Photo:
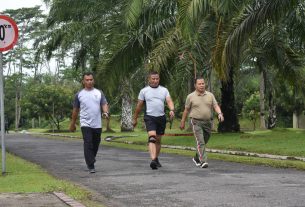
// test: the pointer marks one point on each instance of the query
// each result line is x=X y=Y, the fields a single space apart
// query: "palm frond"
x=253 y=17
x=165 y=49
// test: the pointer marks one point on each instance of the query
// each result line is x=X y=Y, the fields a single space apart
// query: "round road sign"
x=8 y=33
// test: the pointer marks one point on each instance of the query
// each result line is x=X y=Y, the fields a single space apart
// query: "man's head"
x=88 y=80
x=153 y=79
x=200 y=85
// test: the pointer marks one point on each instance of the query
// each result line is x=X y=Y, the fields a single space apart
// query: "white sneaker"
x=204 y=165
x=197 y=162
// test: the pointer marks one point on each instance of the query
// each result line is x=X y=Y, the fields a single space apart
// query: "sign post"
x=8 y=38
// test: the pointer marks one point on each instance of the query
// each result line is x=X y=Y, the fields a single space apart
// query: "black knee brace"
x=152 y=139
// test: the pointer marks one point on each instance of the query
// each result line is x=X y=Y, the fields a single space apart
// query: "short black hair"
x=198 y=78
x=153 y=72
x=87 y=73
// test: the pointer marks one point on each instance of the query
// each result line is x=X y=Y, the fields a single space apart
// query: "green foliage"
x=53 y=102
x=251 y=108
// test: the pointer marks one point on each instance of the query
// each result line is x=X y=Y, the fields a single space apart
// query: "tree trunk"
x=126 y=119
x=262 y=100
x=296 y=120
x=17 y=109
x=230 y=123
x=126 y=116
x=272 y=113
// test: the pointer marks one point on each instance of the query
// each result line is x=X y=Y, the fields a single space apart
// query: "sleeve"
x=141 y=95
x=167 y=93
x=188 y=103
x=76 y=103
x=214 y=102
x=103 y=98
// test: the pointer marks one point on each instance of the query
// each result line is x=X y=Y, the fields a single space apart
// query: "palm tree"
x=236 y=21
x=132 y=41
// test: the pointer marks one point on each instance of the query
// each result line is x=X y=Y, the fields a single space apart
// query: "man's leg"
x=206 y=127
x=152 y=144
x=200 y=144
x=151 y=127
x=158 y=145
x=96 y=140
x=161 y=125
x=88 y=147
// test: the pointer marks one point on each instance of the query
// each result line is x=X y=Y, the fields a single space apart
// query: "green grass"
x=230 y=158
x=279 y=141
x=25 y=177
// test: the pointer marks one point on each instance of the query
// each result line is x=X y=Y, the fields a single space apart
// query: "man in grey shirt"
x=154 y=97
x=90 y=102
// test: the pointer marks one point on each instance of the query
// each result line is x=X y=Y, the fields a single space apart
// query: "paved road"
x=124 y=177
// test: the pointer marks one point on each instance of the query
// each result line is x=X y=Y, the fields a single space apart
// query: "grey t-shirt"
x=89 y=102
x=154 y=98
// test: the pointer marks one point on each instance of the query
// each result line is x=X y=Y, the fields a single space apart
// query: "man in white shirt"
x=154 y=97
x=90 y=102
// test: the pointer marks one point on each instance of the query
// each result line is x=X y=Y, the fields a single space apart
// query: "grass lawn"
x=25 y=177
x=289 y=142
x=279 y=141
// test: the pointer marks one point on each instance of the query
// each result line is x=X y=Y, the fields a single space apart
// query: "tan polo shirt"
x=200 y=105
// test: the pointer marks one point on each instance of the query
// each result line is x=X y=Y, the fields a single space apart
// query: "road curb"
x=67 y=200
x=229 y=152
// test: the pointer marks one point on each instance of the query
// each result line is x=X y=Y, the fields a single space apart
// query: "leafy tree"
x=29 y=21
x=50 y=101
x=251 y=108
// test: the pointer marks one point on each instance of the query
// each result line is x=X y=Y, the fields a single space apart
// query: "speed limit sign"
x=8 y=33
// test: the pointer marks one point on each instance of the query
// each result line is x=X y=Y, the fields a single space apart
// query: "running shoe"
x=196 y=161
x=154 y=165
x=92 y=170
x=204 y=165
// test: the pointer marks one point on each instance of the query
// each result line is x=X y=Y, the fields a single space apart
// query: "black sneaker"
x=92 y=170
x=158 y=163
x=154 y=165
x=196 y=161
x=204 y=165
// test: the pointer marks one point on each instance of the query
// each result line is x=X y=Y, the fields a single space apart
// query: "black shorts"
x=157 y=124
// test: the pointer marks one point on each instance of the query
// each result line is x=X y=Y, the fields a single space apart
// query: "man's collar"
x=200 y=94
x=154 y=87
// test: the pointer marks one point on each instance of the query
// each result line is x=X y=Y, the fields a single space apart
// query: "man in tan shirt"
x=199 y=105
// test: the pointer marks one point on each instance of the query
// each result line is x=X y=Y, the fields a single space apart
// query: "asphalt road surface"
x=124 y=178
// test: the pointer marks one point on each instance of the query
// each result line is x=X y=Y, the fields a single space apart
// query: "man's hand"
x=171 y=114
x=106 y=115
x=182 y=125
x=220 y=117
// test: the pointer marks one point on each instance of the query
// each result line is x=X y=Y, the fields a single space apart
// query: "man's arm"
x=137 y=112
x=171 y=106
x=105 y=109
x=73 y=119
x=219 y=113
x=184 y=116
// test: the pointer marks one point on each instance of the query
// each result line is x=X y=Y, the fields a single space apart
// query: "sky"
x=16 y=4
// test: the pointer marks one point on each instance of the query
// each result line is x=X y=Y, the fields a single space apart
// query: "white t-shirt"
x=154 y=98
x=89 y=102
